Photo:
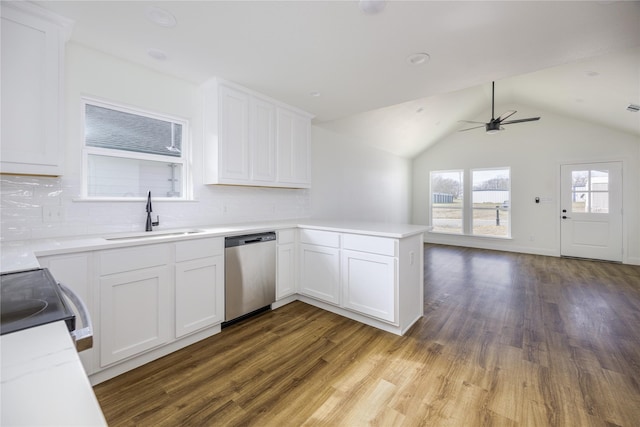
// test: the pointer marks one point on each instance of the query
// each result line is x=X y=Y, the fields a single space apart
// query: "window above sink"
x=128 y=152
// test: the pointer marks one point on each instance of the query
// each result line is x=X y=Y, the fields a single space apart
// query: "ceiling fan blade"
x=475 y=127
x=530 y=119
x=506 y=115
x=469 y=121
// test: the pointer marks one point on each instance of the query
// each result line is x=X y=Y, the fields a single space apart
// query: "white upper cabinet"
x=263 y=141
x=33 y=41
x=250 y=139
x=293 y=149
x=233 y=161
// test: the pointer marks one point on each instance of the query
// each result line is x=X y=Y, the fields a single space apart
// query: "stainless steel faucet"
x=150 y=223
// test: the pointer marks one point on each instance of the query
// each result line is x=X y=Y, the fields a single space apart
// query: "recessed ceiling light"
x=157 y=54
x=160 y=16
x=315 y=94
x=418 y=58
x=372 y=7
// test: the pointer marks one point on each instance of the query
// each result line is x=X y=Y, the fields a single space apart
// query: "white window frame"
x=467 y=204
x=184 y=160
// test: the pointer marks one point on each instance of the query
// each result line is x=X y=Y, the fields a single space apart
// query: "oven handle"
x=82 y=337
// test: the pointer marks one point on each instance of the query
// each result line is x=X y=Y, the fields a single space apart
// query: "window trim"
x=184 y=160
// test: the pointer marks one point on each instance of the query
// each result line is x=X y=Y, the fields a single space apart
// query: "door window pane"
x=447 y=201
x=590 y=191
x=491 y=202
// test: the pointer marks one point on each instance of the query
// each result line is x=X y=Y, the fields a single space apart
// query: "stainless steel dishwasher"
x=250 y=275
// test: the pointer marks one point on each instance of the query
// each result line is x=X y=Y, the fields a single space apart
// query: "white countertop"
x=22 y=255
x=42 y=381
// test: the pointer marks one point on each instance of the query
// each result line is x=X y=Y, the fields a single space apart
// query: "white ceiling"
x=579 y=58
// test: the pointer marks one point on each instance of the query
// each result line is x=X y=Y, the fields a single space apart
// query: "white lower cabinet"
x=135 y=300
x=369 y=283
x=199 y=285
x=286 y=264
x=320 y=272
x=373 y=279
x=152 y=295
x=134 y=312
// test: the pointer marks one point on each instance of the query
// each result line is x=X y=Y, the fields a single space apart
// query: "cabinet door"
x=234 y=135
x=285 y=272
x=73 y=270
x=293 y=148
x=199 y=294
x=263 y=141
x=370 y=284
x=32 y=59
x=134 y=312
x=320 y=273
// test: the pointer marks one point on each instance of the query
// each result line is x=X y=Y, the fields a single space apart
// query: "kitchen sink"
x=154 y=235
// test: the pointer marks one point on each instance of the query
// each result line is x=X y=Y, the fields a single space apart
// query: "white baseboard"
x=488 y=243
x=632 y=261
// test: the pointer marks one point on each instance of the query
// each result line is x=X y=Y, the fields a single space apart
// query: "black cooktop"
x=31 y=298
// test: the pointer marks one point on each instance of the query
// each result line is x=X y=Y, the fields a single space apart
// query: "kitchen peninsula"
x=369 y=272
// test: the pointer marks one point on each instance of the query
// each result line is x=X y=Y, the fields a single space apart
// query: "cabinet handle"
x=83 y=338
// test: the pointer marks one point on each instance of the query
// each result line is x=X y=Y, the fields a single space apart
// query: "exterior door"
x=591 y=211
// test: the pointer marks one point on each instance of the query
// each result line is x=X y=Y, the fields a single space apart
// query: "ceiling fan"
x=495 y=125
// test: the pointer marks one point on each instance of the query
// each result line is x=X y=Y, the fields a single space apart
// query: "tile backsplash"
x=44 y=207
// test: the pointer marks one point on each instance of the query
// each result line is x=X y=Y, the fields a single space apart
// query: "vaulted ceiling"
x=578 y=58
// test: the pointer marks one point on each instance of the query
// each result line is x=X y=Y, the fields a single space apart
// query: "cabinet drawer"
x=320 y=238
x=200 y=248
x=286 y=236
x=128 y=259
x=370 y=244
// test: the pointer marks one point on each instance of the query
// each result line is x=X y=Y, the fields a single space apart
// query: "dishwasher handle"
x=249 y=239
x=259 y=239
x=83 y=338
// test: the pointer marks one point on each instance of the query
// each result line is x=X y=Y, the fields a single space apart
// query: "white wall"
x=92 y=73
x=353 y=182
x=534 y=151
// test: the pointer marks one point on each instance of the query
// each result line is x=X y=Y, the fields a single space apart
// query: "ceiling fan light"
x=493 y=127
x=372 y=7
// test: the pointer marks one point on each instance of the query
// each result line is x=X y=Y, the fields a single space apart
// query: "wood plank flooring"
x=506 y=340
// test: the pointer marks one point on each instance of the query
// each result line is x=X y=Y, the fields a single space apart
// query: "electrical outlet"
x=52 y=214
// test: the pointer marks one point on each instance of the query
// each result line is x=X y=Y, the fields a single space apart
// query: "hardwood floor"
x=507 y=339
